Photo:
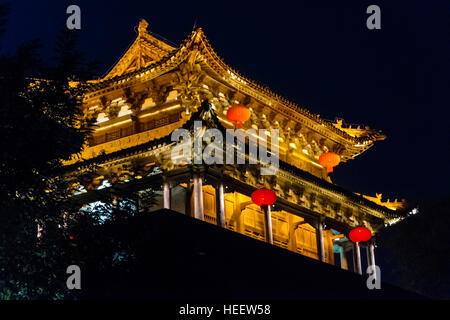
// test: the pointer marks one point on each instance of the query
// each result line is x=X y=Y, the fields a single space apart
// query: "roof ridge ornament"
x=206 y=114
x=198 y=33
x=142 y=28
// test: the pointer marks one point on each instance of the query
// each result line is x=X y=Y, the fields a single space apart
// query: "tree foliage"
x=41 y=221
x=41 y=124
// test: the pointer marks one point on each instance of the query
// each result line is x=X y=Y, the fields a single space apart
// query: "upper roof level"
x=154 y=78
x=145 y=50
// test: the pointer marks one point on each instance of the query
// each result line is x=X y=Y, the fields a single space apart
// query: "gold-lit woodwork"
x=209 y=204
x=153 y=77
x=156 y=88
x=250 y=221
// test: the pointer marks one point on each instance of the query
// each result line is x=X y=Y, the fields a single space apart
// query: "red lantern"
x=360 y=234
x=71 y=237
x=238 y=114
x=263 y=197
x=329 y=160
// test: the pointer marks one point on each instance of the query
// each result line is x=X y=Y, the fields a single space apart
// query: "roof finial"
x=142 y=28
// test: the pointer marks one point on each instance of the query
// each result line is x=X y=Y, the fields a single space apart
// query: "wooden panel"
x=328 y=244
x=229 y=209
x=129 y=130
x=209 y=204
x=253 y=221
x=306 y=241
x=280 y=228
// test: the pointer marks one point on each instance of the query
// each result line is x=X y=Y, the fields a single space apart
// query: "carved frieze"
x=135 y=100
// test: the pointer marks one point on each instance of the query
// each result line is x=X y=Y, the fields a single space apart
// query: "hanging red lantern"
x=360 y=234
x=263 y=197
x=238 y=114
x=329 y=160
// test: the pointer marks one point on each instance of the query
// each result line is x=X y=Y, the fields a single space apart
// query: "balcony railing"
x=130 y=130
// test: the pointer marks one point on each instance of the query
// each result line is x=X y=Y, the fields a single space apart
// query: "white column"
x=370 y=250
x=166 y=195
x=320 y=244
x=198 y=197
x=39 y=231
x=268 y=220
x=356 y=258
x=187 y=199
x=372 y=253
x=344 y=264
x=220 y=205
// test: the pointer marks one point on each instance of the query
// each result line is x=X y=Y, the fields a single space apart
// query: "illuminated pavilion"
x=156 y=88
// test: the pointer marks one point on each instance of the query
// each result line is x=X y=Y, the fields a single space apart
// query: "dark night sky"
x=318 y=54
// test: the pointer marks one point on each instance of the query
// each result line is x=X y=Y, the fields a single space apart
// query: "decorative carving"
x=254 y=118
x=247 y=101
x=309 y=150
x=92 y=114
x=336 y=207
x=158 y=93
x=135 y=100
x=269 y=181
x=142 y=28
x=231 y=95
x=110 y=109
x=189 y=75
x=300 y=140
x=182 y=72
x=279 y=190
x=164 y=161
x=315 y=148
x=264 y=122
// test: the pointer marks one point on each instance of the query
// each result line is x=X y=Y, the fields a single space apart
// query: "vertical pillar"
x=292 y=243
x=220 y=205
x=268 y=220
x=39 y=231
x=198 y=197
x=370 y=250
x=372 y=253
x=136 y=123
x=115 y=206
x=237 y=213
x=344 y=263
x=188 y=197
x=320 y=244
x=65 y=220
x=356 y=258
x=166 y=194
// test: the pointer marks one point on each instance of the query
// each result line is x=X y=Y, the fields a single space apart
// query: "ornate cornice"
x=198 y=42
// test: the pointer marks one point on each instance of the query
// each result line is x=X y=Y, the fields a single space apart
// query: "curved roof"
x=150 y=145
x=137 y=61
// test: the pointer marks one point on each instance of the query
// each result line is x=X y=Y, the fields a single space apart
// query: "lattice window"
x=306 y=241
x=127 y=131
x=161 y=122
x=209 y=204
x=148 y=125
x=113 y=135
x=254 y=225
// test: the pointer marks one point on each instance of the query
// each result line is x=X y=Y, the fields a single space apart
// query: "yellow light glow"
x=113 y=125
x=159 y=111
